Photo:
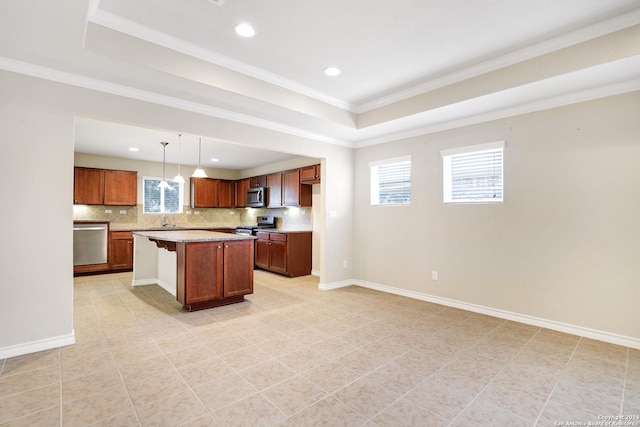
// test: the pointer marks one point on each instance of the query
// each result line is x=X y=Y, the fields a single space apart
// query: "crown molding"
x=599 y=29
x=46 y=73
x=150 y=35
x=530 y=107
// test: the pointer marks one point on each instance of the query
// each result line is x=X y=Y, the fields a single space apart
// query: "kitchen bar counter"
x=191 y=236
x=202 y=269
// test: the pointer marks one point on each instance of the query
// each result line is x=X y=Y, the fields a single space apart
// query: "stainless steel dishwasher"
x=90 y=242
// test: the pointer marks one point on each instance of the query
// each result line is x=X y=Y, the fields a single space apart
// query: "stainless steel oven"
x=90 y=243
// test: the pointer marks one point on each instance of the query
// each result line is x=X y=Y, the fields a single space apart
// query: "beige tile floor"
x=291 y=355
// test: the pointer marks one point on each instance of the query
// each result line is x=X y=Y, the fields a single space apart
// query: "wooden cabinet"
x=204 y=193
x=237 y=278
x=274 y=183
x=120 y=250
x=258 y=181
x=214 y=273
x=293 y=192
x=88 y=186
x=104 y=187
x=284 y=253
x=310 y=174
x=120 y=188
x=241 y=192
x=226 y=194
x=212 y=193
x=285 y=189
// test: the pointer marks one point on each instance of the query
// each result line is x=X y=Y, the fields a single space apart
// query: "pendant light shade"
x=199 y=172
x=164 y=183
x=179 y=178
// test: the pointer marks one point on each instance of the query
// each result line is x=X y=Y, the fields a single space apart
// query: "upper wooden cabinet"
x=104 y=187
x=88 y=186
x=293 y=192
x=204 y=192
x=241 y=192
x=310 y=174
x=212 y=193
x=258 y=181
x=226 y=194
x=285 y=189
x=274 y=183
x=120 y=188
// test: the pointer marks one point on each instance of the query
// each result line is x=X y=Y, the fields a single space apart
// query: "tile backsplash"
x=131 y=217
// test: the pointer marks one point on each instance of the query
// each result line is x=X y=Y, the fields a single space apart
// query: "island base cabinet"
x=238 y=279
x=211 y=274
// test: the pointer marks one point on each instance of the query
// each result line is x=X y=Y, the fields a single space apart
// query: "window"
x=473 y=174
x=162 y=200
x=391 y=181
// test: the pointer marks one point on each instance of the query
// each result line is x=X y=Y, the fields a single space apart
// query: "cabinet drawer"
x=279 y=237
x=262 y=235
x=121 y=235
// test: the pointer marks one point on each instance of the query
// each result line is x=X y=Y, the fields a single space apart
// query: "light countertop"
x=191 y=236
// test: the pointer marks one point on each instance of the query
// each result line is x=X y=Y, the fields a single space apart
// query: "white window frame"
x=162 y=208
x=447 y=157
x=375 y=182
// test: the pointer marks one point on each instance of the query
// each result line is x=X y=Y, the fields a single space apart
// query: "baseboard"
x=35 y=346
x=503 y=314
x=144 y=282
x=315 y=273
x=163 y=285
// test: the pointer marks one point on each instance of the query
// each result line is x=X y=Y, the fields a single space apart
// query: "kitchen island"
x=202 y=269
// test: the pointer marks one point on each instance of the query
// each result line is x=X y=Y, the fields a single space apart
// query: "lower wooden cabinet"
x=284 y=253
x=214 y=273
x=120 y=250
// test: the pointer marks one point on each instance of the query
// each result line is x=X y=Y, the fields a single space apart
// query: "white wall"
x=36 y=263
x=565 y=244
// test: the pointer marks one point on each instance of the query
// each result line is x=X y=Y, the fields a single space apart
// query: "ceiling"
x=408 y=68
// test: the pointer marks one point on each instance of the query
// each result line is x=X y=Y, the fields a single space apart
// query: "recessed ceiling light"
x=332 y=71
x=134 y=149
x=244 y=29
x=215 y=160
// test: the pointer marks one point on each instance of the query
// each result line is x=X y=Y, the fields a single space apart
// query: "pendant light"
x=164 y=183
x=179 y=178
x=199 y=172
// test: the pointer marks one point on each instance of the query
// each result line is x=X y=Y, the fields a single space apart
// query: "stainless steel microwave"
x=257 y=197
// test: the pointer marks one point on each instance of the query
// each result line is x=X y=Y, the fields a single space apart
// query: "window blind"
x=474 y=176
x=391 y=182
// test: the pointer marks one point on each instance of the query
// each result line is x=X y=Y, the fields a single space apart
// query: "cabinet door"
x=120 y=250
x=274 y=183
x=203 y=271
x=262 y=254
x=291 y=188
x=226 y=194
x=278 y=257
x=120 y=188
x=310 y=174
x=241 y=192
x=204 y=193
x=238 y=268
x=88 y=186
x=258 y=181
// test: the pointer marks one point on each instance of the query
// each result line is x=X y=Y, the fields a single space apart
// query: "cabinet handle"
x=226 y=246
x=219 y=247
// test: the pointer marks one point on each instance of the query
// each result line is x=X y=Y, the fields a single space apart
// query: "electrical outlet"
x=196 y=212
x=434 y=275
x=345 y=264
x=123 y=212
x=108 y=211
x=232 y=213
